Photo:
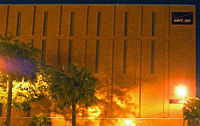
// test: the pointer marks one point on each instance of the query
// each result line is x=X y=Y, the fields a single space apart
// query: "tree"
x=191 y=111
x=23 y=93
x=76 y=88
x=19 y=61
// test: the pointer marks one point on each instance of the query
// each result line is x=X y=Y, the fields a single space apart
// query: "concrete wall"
x=148 y=79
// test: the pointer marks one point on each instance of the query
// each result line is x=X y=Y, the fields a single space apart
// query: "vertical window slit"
x=125 y=56
x=141 y=21
x=18 y=24
x=153 y=24
x=43 y=51
x=169 y=21
x=72 y=24
x=152 y=56
x=87 y=20
x=8 y=9
x=70 y=53
x=97 y=56
x=98 y=23
x=58 y=54
x=114 y=20
x=60 y=20
x=126 y=24
x=45 y=23
x=33 y=30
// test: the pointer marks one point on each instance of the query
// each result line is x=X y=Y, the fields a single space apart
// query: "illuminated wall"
x=130 y=48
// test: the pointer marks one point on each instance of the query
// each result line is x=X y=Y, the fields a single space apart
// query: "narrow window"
x=69 y=55
x=58 y=54
x=43 y=51
x=8 y=9
x=126 y=24
x=114 y=20
x=60 y=20
x=33 y=30
x=153 y=24
x=125 y=56
x=88 y=9
x=152 y=56
x=18 y=24
x=141 y=21
x=97 y=56
x=45 y=23
x=98 y=23
x=72 y=24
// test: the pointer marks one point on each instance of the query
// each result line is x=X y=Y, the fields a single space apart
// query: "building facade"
x=139 y=53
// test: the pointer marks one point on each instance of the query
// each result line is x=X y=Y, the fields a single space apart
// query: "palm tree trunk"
x=9 y=103
x=73 y=114
x=28 y=113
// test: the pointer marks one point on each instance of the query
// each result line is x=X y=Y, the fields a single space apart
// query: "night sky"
x=98 y=1
x=187 y=2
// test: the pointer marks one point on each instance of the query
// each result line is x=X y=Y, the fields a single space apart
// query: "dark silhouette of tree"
x=74 y=88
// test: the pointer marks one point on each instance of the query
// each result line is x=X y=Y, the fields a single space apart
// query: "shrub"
x=40 y=120
x=191 y=111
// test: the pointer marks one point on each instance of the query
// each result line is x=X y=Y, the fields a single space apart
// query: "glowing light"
x=128 y=122
x=181 y=91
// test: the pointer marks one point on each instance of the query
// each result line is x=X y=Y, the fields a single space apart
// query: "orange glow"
x=94 y=111
x=100 y=96
x=80 y=114
x=123 y=107
x=119 y=102
x=2 y=65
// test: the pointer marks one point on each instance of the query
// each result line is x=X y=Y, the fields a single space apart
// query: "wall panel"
x=51 y=52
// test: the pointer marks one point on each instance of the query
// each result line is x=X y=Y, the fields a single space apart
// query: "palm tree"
x=77 y=87
x=18 y=61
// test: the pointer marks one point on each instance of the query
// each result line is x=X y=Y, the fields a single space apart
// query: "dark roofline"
x=185 y=2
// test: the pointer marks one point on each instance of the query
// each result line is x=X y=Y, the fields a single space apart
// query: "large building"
x=139 y=53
